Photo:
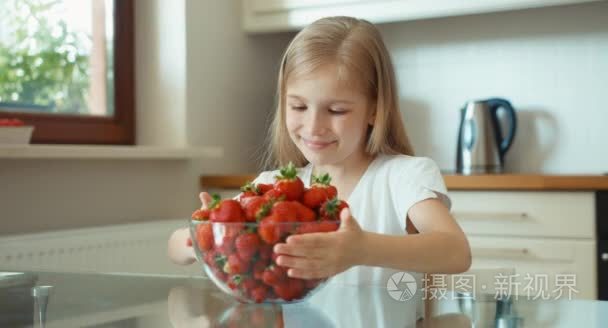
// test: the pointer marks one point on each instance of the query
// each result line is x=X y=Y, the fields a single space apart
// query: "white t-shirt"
x=380 y=201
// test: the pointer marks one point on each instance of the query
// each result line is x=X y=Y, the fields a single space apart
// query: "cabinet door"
x=568 y=265
x=525 y=214
x=286 y=15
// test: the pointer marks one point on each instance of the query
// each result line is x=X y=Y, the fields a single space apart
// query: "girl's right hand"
x=180 y=249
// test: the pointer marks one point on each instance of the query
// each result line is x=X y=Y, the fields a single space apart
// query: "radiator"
x=128 y=248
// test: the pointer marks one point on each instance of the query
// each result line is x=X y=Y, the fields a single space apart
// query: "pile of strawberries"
x=237 y=239
x=11 y=122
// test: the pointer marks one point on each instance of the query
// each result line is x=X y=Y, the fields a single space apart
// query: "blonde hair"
x=356 y=47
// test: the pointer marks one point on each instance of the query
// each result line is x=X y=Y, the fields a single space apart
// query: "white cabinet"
x=548 y=238
x=285 y=15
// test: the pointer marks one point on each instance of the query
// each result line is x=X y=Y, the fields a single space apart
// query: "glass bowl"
x=239 y=259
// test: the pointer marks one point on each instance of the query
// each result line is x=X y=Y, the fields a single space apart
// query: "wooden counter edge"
x=462 y=182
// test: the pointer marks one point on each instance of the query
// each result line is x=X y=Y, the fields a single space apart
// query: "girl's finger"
x=305 y=274
x=205 y=199
x=310 y=240
x=294 y=250
x=294 y=262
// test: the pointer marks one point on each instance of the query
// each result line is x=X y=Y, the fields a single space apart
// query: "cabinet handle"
x=513 y=254
x=491 y=216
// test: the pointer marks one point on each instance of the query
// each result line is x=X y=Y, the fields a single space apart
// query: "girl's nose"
x=315 y=122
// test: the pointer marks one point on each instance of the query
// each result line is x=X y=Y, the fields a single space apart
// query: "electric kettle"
x=481 y=145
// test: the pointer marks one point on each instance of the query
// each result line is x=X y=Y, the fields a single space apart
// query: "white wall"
x=231 y=83
x=551 y=63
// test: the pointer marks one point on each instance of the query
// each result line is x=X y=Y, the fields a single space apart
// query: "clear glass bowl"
x=246 y=269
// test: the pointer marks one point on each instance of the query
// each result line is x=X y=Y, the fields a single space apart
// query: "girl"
x=338 y=113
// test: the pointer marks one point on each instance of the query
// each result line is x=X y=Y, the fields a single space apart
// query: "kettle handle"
x=495 y=104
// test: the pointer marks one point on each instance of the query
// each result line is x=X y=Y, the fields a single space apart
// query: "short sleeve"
x=265 y=177
x=418 y=182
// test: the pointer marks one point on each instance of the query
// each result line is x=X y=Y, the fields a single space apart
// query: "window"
x=66 y=67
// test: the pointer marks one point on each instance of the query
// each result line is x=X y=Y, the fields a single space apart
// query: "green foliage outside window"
x=43 y=64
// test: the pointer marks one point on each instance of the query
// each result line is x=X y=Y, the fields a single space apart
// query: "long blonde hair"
x=356 y=47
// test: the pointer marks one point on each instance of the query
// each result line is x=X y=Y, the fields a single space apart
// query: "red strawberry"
x=226 y=245
x=204 y=236
x=228 y=210
x=274 y=195
x=248 y=190
x=235 y=265
x=247 y=244
x=330 y=210
x=258 y=270
x=288 y=183
x=259 y=293
x=269 y=230
x=264 y=188
x=304 y=214
x=201 y=214
x=265 y=252
x=312 y=283
x=285 y=211
x=327 y=226
x=234 y=281
x=256 y=207
x=308 y=227
x=273 y=275
x=289 y=289
x=319 y=191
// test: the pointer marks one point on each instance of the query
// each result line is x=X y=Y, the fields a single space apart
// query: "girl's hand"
x=324 y=254
x=206 y=199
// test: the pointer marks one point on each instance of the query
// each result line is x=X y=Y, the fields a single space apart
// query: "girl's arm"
x=440 y=247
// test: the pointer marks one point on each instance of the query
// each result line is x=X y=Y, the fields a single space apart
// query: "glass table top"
x=71 y=299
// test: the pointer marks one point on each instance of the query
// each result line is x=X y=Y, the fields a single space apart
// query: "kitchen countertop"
x=464 y=182
x=130 y=300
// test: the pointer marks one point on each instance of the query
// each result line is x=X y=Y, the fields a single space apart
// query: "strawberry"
x=330 y=210
x=327 y=226
x=215 y=260
x=285 y=211
x=269 y=230
x=248 y=190
x=264 y=187
x=312 y=283
x=255 y=207
x=274 y=195
x=234 y=281
x=204 y=236
x=226 y=245
x=247 y=244
x=235 y=265
x=227 y=210
x=265 y=252
x=258 y=270
x=288 y=183
x=258 y=293
x=304 y=214
x=308 y=227
x=319 y=191
x=289 y=289
x=273 y=275
x=201 y=214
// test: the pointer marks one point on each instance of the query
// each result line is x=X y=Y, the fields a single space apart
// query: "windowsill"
x=108 y=152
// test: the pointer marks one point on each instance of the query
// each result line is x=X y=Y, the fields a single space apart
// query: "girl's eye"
x=337 y=111
x=298 y=107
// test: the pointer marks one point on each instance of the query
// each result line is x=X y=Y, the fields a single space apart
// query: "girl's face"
x=327 y=118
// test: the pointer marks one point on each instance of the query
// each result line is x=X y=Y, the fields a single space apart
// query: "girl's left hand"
x=323 y=254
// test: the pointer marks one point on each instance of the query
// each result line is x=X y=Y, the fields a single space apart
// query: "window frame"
x=78 y=129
